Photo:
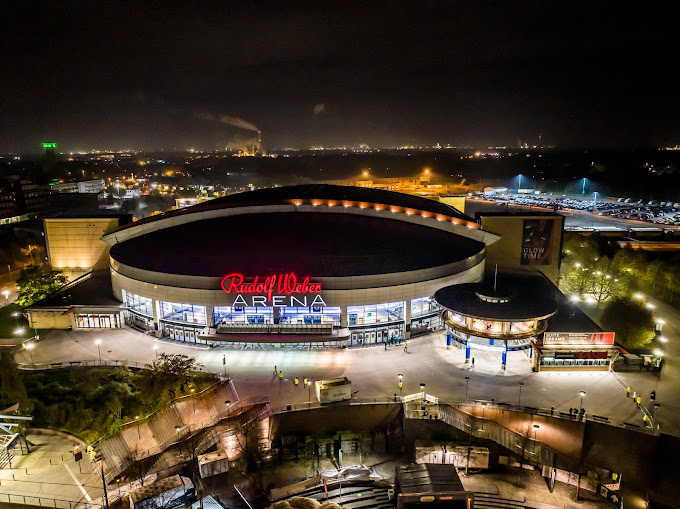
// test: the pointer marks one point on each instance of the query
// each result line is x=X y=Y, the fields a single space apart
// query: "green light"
x=49 y=145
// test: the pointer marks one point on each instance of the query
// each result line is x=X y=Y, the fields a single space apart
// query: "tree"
x=632 y=322
x=36 y=284
x=12 y=388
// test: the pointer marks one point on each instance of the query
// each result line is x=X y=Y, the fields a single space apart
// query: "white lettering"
x=260 y=300
x=240 y=301
x=300 y=303
x=318 y=301
x=278 y=302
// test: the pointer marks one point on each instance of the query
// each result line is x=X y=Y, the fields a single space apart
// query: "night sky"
x=173 y=75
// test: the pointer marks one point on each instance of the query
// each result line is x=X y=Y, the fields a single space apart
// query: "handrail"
x=122 y=426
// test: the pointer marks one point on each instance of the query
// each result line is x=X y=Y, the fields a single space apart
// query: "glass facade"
x=228 y=314
x=490 y=326
x=185 y=313
x=520 y=327
x=424 y=306
x=375 y=314
x=138 y=304
x=315 y=315
x=99 y=321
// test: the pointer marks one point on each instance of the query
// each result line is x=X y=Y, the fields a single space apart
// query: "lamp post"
x=536 y=426
x=30 y=346
x=155 y=347
x=519 y=186
x=519 y=400
x=16 y=318
x=401 y=384
x=193 y=398
x=422 y=390
x=6 y=294
x=467 y=384
x=178 y=428
x=581 y=393
x=139 y=433
x=583 y=191
x=98 y=342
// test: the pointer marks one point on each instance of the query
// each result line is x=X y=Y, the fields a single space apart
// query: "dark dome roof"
x=516 y=297
x=318 y=244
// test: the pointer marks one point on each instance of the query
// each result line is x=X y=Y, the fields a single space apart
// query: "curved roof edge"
x=354 y=200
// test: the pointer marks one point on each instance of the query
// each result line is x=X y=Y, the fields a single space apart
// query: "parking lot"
x=658 y=213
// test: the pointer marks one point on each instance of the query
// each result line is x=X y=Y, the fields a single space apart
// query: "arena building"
x=312 y=264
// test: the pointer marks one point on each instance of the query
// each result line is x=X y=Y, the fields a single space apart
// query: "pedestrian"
x=652 y=396
x=645 y=418
x=280 y=376
x=296 y=381
x=634 y=395
x=552 y=410
x=385 y=344
x=628 y=392
x=473 y=362
x=275 y=370
x=406 y=347
x=304 y=382
x=638 y=401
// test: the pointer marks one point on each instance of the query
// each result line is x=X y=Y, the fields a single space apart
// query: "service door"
x=190 y=335
x=355 y=339
x=372 y=337
x=180 y=334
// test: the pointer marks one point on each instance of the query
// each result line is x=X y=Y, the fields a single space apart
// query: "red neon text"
x=284 y=283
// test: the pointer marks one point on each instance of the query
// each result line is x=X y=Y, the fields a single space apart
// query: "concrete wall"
x=50 y=319
x=324 y=420
x=507 y=252
x=74 y=245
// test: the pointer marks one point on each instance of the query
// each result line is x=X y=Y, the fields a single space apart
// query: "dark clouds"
x=134 y=73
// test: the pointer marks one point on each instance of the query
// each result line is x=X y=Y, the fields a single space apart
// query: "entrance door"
x=355 y=339
x=190 y=335
x=180 y=334
x=372 y=340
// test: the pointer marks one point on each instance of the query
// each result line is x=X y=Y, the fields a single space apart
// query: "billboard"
x=578 y=338
x=537 y=242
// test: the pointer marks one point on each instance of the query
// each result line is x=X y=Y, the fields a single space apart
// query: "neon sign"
x=278 y=290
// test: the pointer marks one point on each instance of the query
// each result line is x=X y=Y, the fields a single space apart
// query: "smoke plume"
x=226 y=119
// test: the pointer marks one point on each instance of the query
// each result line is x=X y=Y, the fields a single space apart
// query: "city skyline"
x=150 y=78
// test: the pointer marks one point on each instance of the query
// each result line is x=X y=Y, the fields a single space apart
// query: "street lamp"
x=193 y=399
x=536 y=426
x=422 y=389
x=519 y=400
x=30 y=346
x=6 y=294
x=309 y=392
x=519 y=186
x=584 y=186
x=19 y=331
x=98 y=342
x=155 y=347
x=16 y=318
x=467 y=384
x=582 y=394
x=178 y=428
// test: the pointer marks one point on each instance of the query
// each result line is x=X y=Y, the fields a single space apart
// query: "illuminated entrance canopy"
x=277 y=290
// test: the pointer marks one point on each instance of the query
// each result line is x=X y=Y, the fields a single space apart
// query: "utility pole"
x=106 y=496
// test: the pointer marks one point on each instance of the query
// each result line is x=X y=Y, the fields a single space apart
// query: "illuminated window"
x=228 y=314
x=138 y=304
x=315 y=315
x=519 y=327
x=375 y=313
x=490 y=326
x=424 y=306
x=457 y=318
x=185 y=313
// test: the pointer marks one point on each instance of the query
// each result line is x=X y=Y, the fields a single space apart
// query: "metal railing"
x=41 y=366
x=55 y=503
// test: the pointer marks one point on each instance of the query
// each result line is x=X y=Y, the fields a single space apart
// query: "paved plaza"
x=373 y=371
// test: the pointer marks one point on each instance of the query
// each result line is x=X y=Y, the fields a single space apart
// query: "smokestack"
x=259 y=142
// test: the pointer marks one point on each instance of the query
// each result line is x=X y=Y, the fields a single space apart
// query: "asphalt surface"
x=373 y=372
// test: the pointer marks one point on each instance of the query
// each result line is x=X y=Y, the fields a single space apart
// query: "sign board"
x=276 y=290
x=580 y=355
x=537 y=242
x=578 y=338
